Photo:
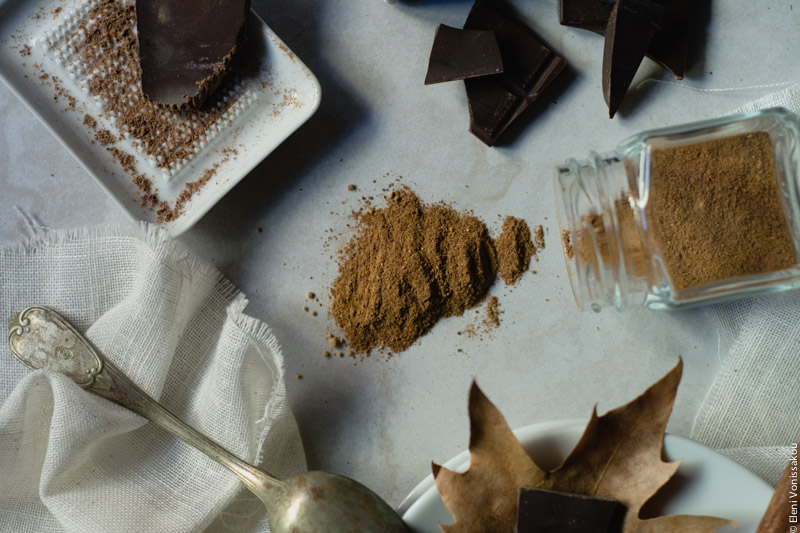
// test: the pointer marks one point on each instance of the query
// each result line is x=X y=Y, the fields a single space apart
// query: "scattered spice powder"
x=492 y=318
x=104 y=137
x=715 y=211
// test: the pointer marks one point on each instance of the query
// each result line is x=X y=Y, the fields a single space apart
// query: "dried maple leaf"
x=484 y=498
x=618 y=456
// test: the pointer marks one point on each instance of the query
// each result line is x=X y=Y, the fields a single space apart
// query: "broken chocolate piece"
x=459 y=54
x=586 y=14
x=670 y=46
x=185 y=46
x=529 y=67
x=545 y=511
x=629 y=32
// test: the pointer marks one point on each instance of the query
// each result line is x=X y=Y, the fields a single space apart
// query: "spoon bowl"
x=311 y=502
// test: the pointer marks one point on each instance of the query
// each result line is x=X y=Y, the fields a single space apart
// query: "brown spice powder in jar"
x=714 y=211
x=595 y=244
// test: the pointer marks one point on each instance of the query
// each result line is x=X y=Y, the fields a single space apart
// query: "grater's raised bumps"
x=185 y=46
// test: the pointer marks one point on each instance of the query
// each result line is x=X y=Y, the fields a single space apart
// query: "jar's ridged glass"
x=612 y=259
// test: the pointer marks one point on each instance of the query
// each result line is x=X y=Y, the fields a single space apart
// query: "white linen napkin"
x=71 y=461
x=752 y=411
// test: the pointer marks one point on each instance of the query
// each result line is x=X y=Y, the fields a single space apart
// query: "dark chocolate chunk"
x=185 y=46
x=670 y=46
x=546 y=511
x=586 y=14
x=629 y=32
x=459 y=54
x=491 y=108
x=529 y=67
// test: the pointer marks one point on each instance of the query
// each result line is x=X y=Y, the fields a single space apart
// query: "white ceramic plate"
x=707 y=483
x=271 y=103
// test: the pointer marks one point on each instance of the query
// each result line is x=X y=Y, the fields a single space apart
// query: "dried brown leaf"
x=618 y=456
x=486 y=494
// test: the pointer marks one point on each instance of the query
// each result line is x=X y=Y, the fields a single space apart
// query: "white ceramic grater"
x=43 y=62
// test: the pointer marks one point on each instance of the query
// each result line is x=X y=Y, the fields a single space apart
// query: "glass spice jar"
x=685 y=215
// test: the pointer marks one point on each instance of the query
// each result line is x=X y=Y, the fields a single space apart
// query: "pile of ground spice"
x=412 y=264
x=715 y=211
x=514 y=249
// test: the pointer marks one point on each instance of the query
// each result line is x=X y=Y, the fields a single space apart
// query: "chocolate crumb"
x=125 y=159
x=89 y=121
x=104 y=137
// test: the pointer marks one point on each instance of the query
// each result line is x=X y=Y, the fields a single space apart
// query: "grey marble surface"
x=383 y=420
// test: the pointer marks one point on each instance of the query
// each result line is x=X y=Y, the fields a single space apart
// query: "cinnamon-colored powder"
x=595 y=244
x=566 y=243
x=514 y=249
x=714 y=210
x=411 y=265
x=104 y=137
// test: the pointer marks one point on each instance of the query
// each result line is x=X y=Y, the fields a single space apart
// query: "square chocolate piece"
x=529 y=67
x=459 y=54
x=547 y=511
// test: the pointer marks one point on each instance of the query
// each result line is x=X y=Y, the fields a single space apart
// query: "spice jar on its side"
x=686 y=215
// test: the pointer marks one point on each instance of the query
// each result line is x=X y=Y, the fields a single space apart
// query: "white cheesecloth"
x=71 y=461
x=752 y=411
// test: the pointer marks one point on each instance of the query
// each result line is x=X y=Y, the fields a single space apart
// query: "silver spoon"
x=314 y=501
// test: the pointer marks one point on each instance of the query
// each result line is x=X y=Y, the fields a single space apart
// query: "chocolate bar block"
x=529 y=67
x=546 y=511
x=185 y=46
